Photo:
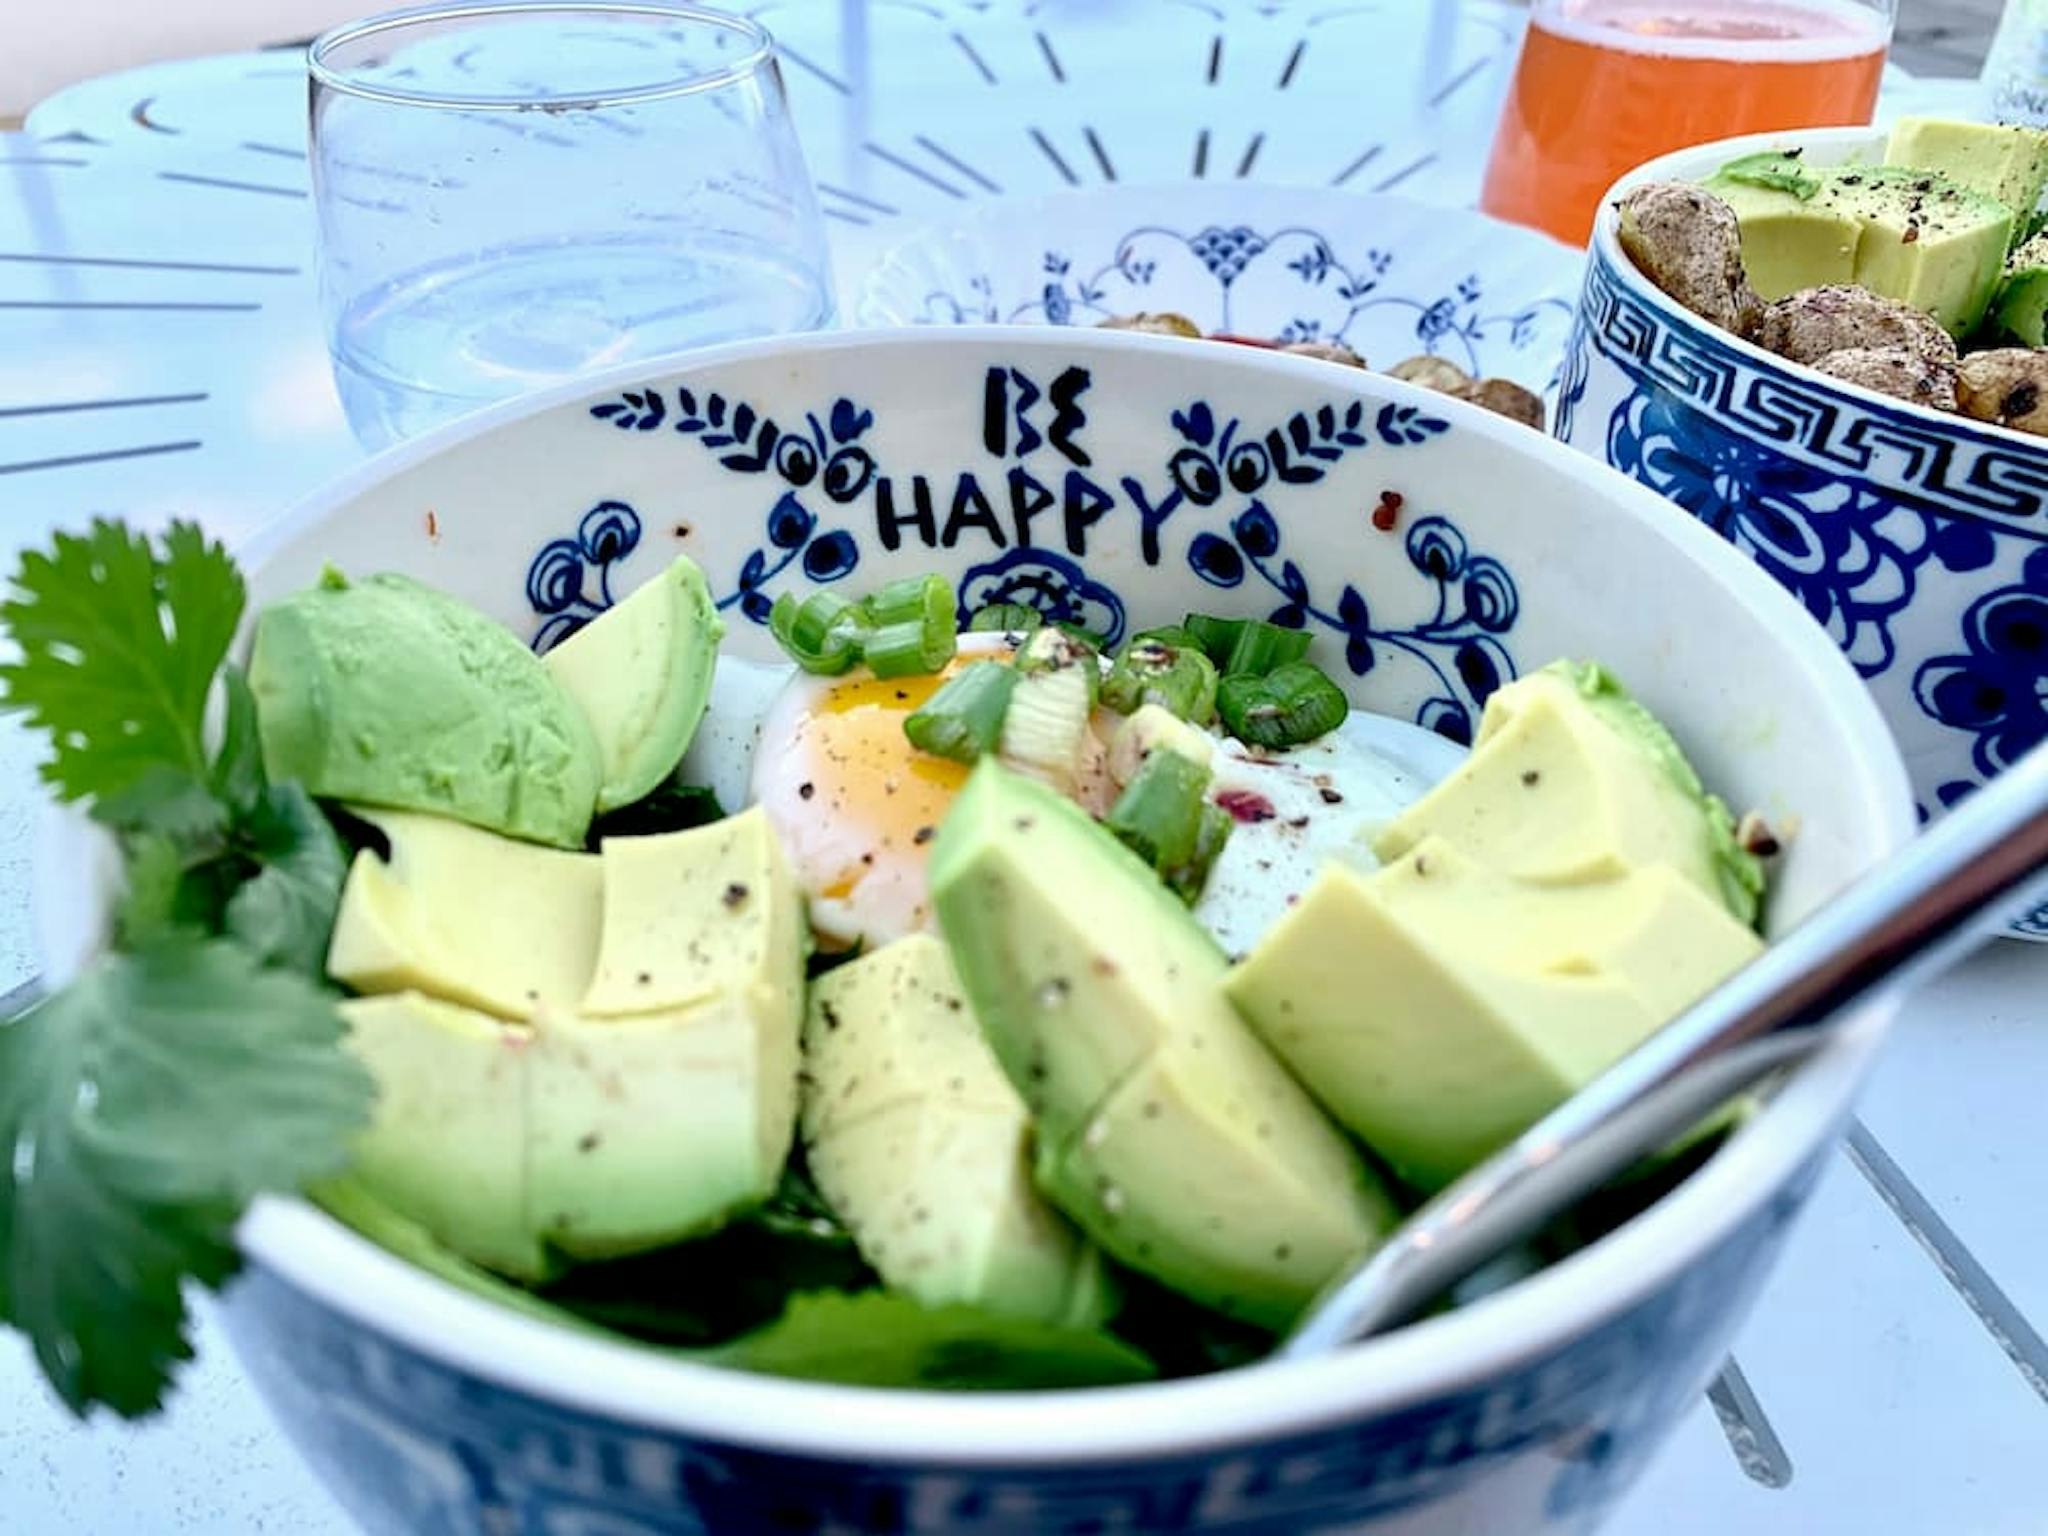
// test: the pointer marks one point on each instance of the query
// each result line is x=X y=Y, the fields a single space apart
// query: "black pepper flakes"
x=735 y=893
x=923 y=835
x=1331 y=796
x=830 y=1015
x=1530 y=778
x=589 y=1142
x=805 y=790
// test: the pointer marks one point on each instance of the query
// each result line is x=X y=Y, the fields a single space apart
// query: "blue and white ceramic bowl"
x=1388 y=276
x=1918 y=538
x=1116 y=480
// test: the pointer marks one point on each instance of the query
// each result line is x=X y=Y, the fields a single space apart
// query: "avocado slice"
x=467 y=916
x=388 y=692
x=2020 y=311
x=1572 y=781
x=668 y=1101
x=508 y=1139
x=1165 y=1130
x=921 y=1145
x=1438 y=1007
x=2005 y=161
x=641 y=673
x=446 y=1145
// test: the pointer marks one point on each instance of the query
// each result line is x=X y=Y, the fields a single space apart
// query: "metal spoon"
x=1912 y=917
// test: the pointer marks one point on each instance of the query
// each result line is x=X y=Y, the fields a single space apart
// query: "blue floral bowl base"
x=410 y=1445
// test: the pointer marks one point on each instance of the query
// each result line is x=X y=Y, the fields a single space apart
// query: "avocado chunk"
x=2000 y=160
x=1911 y=235
x=644 y=1094
x=668 y=1101
x=446 y=1145
x=919 y=1142
x=387 y=692
x=469 y=917
x=2020 y=312
x=1926 y=241
x=1791 y=239
x=1438 y=1008
x=641 y=673
x=1164 y=1129
x=1571 y=781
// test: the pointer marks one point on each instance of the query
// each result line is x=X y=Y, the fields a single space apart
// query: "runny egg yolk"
x=854 y=803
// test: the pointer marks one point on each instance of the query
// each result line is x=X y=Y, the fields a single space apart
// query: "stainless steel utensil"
x=1916 y=914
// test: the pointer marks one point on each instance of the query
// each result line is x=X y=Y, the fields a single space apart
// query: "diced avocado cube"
x=1090 y=978
x=641 y=673
x=921 y=1145
x=2005 y=161
x=1926 y=241
x=2020 y=311
x=467 y=916
x=1789 y=241
x=1438 y=1008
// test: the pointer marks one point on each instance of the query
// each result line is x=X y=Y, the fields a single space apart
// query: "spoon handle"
x=1914 y=915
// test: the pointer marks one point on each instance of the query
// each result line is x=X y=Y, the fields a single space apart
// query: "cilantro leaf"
x=879 y=1339
x=140 y=1109
x=119 y=647
x=285 y=914
x=238 y=776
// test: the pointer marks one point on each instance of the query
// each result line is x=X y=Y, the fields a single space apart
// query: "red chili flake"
x=1388 y=512
x=433 y=526
x=1244 y=341
x=1246 y=805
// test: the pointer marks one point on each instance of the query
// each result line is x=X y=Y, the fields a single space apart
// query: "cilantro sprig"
x=199 y=1063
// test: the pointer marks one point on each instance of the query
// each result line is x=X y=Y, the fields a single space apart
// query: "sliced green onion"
x=1159 y=814
x=1260 y=647
x=1162 y=667
x=1056 y=650
x=964 y=719
x=927 y=599
x=1289 y=705
x=1217 y=637
x=909 y=648
x=1015 y=618
x=821 y=634
x=1188 y=879
x=911 y=623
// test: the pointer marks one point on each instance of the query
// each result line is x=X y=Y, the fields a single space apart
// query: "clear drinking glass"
x=1603 y=85
x=510 y=194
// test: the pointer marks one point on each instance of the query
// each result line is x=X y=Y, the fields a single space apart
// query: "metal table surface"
x=160 y=354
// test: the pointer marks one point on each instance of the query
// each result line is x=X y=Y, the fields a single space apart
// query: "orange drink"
x=1604 y=85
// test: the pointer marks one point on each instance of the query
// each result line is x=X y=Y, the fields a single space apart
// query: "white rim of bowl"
x=640 y=1389
x=1686 y=165
x=348 y=82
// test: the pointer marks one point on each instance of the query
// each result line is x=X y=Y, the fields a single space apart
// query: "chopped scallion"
x=908 y=648
x=964 y=719
x=1217 y=637
x=1015 y=618
x=1260 y=647
x=1159 y=814
x=1291 y=704
x=822 y=634
x=1162 y=667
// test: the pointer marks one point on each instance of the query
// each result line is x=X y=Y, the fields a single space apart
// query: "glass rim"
x=760 y=52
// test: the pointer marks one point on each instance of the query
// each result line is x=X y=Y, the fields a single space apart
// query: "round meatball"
x=1437 y=373
x=1900 y=372
x=1328 y=351
x=1504 y=397
x=2008 y=386
x=1162 y=324
x=1806 y=326
x=1687 y=242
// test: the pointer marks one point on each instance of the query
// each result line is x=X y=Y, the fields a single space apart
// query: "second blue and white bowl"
x=1919 y=539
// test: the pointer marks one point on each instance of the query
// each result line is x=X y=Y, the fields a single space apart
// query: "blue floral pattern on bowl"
x=1919 y=541
x=1470 y=602
x=1389 y=277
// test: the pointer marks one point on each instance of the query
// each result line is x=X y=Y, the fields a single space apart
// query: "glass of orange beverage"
x=1604 y=85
